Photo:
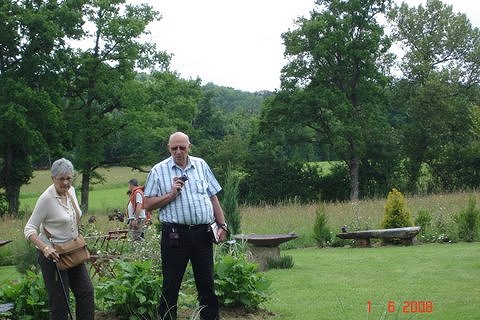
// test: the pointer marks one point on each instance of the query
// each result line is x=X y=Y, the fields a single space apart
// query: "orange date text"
x=408 y=306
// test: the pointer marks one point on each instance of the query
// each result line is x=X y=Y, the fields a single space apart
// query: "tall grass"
x=282 y=218
x=365 y=214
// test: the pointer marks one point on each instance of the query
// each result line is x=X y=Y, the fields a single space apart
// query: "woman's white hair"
x=61 y=166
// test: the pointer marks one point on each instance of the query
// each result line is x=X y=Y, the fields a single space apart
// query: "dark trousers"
x=179 y=245
x=76 y=279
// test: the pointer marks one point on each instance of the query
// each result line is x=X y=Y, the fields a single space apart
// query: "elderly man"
x=184 y=190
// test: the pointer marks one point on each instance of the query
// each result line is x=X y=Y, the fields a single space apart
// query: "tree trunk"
x=13 y=196
x=353 y=165
x=85 y=193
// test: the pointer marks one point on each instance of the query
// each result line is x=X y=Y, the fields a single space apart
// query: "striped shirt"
x=192 y=206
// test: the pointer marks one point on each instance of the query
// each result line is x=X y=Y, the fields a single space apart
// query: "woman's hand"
x=50 y=253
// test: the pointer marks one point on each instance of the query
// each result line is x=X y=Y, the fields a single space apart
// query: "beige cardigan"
x=52 y=214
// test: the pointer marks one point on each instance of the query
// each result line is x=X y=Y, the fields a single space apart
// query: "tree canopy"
x=333 y=83
x=78 y=79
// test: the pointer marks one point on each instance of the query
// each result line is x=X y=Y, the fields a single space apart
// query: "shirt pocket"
x=201 y=186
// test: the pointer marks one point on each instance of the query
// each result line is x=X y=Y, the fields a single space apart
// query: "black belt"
x=184 y=227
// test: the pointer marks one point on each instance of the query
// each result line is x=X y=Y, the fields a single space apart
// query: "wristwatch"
x=223 y=226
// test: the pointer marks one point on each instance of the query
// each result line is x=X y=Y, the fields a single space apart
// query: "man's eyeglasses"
x=183 y=148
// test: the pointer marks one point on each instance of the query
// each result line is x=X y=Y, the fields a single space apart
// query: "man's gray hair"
x=61 y=166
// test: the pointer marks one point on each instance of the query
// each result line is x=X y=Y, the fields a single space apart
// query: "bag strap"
x=74 y=205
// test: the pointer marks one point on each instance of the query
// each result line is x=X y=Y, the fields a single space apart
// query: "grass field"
x=286 y=217
x=351 y=284
x=333 y=283
x=104 y=197
x=281 y=218
x=340 y=283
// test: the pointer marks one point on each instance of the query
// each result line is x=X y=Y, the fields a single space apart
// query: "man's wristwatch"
x=223 y=226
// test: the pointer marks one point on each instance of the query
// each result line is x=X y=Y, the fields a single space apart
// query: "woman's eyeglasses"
x=63 y=179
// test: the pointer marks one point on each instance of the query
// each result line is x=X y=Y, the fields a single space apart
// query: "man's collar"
x=174 y=165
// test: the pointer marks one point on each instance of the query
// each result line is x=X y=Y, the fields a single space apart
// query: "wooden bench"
x=362 y=238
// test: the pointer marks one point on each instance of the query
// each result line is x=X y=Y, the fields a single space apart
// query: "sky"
x=237 y=43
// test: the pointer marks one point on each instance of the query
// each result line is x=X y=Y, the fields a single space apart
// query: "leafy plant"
x=30 y=298
x=238 y=282
x=282 y=262
x=25 y=256
x=446 y=228
x=396 y=214
x=321 y=231
x=134 y=292
x=469 y=222
x=424 y=220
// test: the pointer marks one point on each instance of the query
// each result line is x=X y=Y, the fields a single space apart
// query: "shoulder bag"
x=74 y=252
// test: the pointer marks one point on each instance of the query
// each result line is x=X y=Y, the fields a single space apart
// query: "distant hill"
x=232 y=100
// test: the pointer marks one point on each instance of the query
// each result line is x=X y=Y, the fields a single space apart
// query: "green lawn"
x=7 y=274
x=338 y=283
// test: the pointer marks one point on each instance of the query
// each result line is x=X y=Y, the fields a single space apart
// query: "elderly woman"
x=55 y=214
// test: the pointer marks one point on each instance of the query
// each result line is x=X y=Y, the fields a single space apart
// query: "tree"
x=102 y=78
x=438 y=87
x=333 y=83
x=32 y=60
x=158 y=104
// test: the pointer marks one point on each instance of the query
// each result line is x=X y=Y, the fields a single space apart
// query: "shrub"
x=396 y=213
x=238 y=282
x=133 y=292
x=230 y=201
x=30 y=298
x=424 y=220
x=6 y=257
x=283 y=262
x=25 y=256
x=321 y=231
x=446 y=228
x=468 y=222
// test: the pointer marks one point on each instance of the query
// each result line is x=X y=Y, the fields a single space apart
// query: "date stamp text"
x=408 y=306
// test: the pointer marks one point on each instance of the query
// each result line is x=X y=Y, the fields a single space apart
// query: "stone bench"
x=362 y=238
x=264 y=246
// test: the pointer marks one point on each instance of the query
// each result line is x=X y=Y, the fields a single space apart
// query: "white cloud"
x=237 y=43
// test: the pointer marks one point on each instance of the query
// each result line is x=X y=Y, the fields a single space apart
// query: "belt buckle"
x=190 y=227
